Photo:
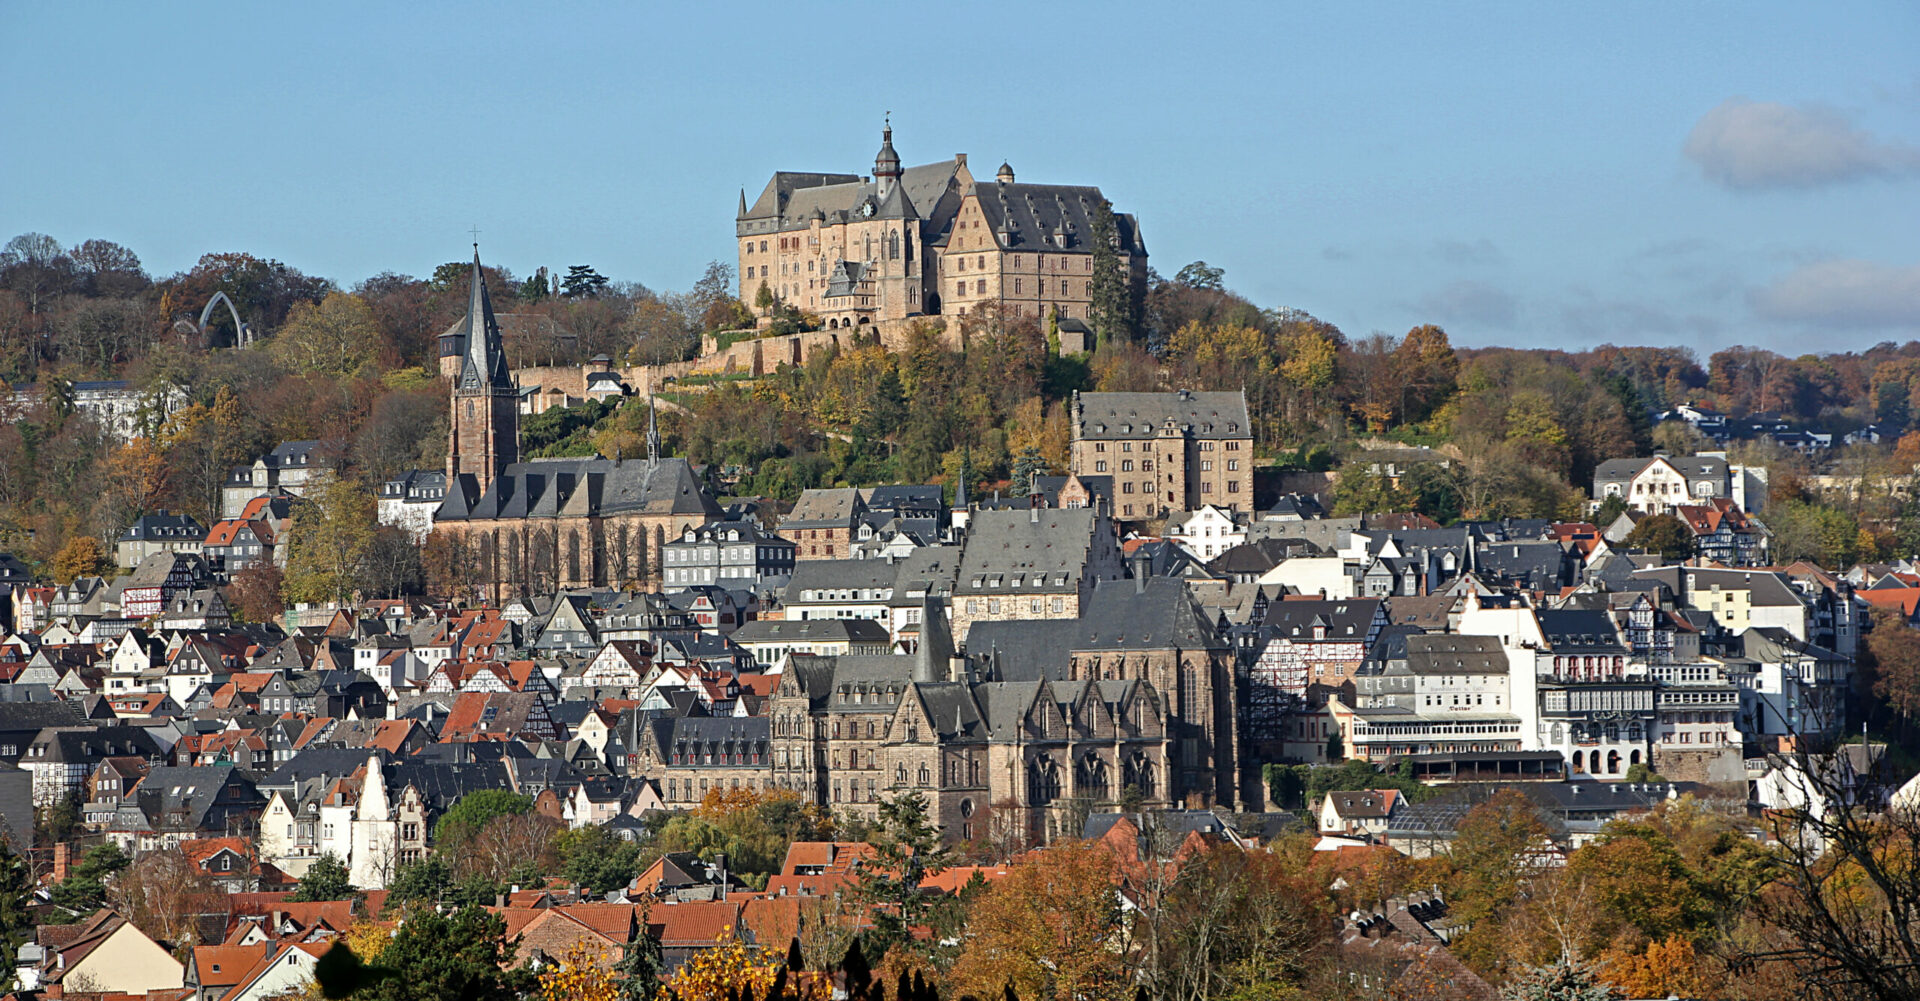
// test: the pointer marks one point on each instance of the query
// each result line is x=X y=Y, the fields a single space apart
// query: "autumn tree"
x=1496 y=846
x=1239 y=922
x=80 y=556
x=579 y=974
x=1894 y=646
x=1049 y=930
x=328 y=542
x=335 y=337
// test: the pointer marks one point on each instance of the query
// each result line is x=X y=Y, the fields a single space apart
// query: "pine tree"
x=16 y=889
x=1563 y=981
x=1111 y=311
x=326 y=879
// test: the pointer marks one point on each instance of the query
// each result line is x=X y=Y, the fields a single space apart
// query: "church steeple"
x=485 y=363
x=484 y=428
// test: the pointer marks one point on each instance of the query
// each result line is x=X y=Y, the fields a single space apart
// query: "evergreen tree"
x=426 y=880
x=582 y=282
x=16 y=889
x=1563 y=981
x=907 y=849
x=639 y=966
x=1111 y=312
x=326 y=879
x=85 y=888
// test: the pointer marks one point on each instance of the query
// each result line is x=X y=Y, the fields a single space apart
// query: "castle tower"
x=886 y=164
x=484 y=432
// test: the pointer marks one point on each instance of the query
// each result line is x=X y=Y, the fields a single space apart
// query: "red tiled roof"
x=694 y=923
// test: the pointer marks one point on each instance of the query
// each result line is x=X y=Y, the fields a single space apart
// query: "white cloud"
x=1844 y=293
x=1759 y=144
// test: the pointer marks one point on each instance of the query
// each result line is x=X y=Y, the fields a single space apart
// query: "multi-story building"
x=1657 y=484
x=1032 y=564
x=159 y=532
x=822 y=523
x=726 y=554
x=1441 y=693
x=928 y=241
x=1166 y=452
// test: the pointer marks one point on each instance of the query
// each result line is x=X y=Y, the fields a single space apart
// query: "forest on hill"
x=355 y=367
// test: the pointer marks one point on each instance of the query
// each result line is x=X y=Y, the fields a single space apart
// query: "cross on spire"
x=476 y=237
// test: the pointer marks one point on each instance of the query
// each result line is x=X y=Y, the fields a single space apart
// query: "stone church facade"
x=927 y=240
x=509 y=527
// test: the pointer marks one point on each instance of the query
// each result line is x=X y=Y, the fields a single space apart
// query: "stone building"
x=1040 y=563
x=516 y=528
x=1166 y=452
x=848 y=732
x=926 y=241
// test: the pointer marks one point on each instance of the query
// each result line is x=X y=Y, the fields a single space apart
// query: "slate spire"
x=485 y=363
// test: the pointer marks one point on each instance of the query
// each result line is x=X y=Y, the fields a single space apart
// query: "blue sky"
x=1531 y=174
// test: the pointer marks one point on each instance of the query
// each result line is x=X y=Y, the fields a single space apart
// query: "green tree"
x=907 y=849
x=582 y=281
x=443 y=957
x=426 y=880
x=1111 y=312
x=85 y=888
x=16 y=890
x=328 y=543
x=639 y=966
x=1358 y=491
x=326 y=879
x=1663 y=534
x=473 y=811
x=597 y=859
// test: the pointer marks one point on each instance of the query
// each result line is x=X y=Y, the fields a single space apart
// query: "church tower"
x=484 y=432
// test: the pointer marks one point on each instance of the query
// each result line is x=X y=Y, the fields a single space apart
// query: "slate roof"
x=554 y=487
x=861 y=631
x=1025 y=548
x=163 y=526
x=1580 y=631
x=1450 y=653
x=1133 y=415
x=1692 y=467
x=1155 y=613
x=1043 y=217
x=1345 y=618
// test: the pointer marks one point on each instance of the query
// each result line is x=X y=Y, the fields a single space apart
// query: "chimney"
x=720 y=866
x=62 y=858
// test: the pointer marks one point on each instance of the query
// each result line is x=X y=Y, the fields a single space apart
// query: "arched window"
x=900 y=774
x=926 y=776
x=893 y=245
